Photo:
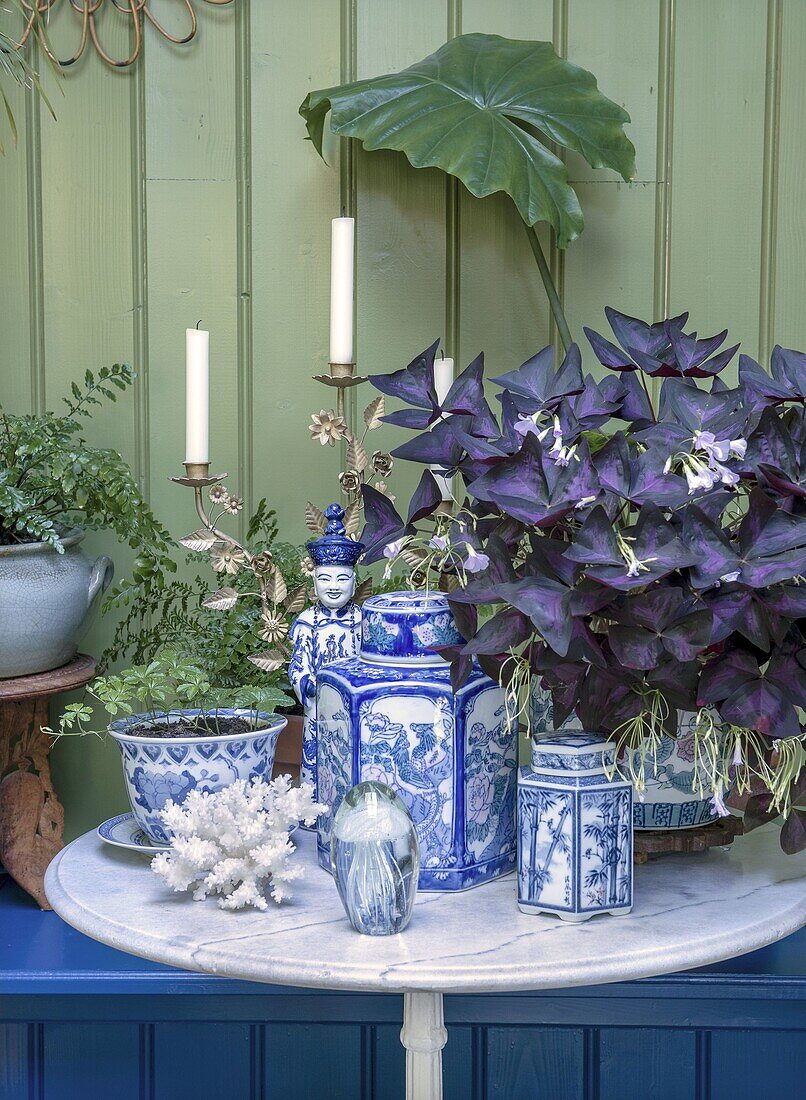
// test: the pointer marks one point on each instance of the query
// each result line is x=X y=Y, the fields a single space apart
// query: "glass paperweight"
x=375 y=857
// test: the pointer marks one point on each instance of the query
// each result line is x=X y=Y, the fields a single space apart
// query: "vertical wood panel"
x=295 y=195
x=14 y=1081
x=401 y=220
x=205 y=1061
x=192 y=247
x=769 y=195
x=637 y=1063
x=611 y=263
x=529 y=1063
x=313 y=1060
x=663 y=159
x=78 y=1056
x=503 y=308
x=15 y=373
x=88 y=317
x=790 y=322
x=718 y=165
x=747 y=1065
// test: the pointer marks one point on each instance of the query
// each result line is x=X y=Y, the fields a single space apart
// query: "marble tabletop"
x=689 y=911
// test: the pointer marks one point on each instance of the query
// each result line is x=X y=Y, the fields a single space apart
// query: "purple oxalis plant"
x=639 y=556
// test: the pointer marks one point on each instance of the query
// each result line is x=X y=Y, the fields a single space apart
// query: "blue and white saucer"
x=124 y=832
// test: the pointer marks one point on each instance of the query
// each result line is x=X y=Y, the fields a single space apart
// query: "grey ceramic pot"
x=47 y=601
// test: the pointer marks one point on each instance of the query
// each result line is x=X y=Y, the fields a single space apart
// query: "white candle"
x=197 y=395
x=342 y=257
x=443 y=380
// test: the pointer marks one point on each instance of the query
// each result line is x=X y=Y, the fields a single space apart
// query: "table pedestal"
x=423 y=1035
x=31 y=816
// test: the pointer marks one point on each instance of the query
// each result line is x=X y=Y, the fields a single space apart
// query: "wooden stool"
x=31 y=816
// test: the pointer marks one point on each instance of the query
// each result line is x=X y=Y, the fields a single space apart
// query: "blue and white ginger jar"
x=575 y=831
x=391 y=716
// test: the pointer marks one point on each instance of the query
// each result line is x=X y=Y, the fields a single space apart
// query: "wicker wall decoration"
x=36 y=14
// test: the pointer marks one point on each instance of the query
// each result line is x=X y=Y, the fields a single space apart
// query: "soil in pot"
x=201 y=726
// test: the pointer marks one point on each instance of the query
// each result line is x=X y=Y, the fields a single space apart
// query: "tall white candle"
x=443 y=380
x=342 y=265
x=197 y=395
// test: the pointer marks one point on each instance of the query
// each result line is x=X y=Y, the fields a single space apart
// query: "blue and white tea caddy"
x=390 y=715
x=575 y=830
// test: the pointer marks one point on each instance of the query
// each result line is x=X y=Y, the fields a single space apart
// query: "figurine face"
x=334 y=585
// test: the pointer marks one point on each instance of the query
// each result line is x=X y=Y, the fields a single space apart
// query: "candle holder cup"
x=342 y=377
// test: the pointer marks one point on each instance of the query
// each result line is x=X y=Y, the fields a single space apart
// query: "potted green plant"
x=53 y=486
x=178 y=732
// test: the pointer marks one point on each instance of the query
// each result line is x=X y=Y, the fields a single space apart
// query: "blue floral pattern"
x=160 y=770
x=450 y=757
x=407 y=626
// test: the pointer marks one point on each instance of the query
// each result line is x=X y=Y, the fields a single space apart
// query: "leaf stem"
x=548 y=283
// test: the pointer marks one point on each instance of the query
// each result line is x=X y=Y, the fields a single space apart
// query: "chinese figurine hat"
x=335 y=547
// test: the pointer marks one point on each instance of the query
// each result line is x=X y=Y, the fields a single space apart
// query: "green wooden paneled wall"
x=183 y=189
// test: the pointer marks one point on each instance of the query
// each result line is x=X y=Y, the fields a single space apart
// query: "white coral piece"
x=236 y=841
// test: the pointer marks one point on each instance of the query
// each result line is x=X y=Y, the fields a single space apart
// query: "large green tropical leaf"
x=478 y=109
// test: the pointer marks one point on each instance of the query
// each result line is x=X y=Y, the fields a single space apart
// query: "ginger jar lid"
x=405 y=627
x=579 y=753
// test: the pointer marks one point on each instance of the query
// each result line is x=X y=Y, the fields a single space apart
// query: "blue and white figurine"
x=328 y=631
x=390 y=715
x=575 y=830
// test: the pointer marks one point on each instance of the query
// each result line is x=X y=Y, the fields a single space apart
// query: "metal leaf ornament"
x=222 y=600
x=482 y=108
x=314 y=519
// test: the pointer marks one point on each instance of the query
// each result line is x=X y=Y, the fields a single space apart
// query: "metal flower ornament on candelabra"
x=329 y=427
x=230 y=557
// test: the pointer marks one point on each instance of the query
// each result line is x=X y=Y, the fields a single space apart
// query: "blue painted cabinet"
x=79 y=1021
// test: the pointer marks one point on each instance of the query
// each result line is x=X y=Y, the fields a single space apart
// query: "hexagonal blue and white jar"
x=390 y=715
x=575 y=830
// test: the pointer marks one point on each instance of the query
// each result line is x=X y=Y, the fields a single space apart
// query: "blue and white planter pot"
x=390 y=715
x=158 y=770
x=575 y=831
x=667 y=802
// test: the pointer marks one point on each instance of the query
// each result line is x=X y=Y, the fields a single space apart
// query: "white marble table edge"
x=420 y=975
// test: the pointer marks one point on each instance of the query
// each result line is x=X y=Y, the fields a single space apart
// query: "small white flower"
x=583 y=502
x=718 y=807
x=738 y=447
x=726 y=476
x=438 y=542
x=729 y=577
x=698 y=475
x=668 y=464
x=392 y=549
x=526 y=426
x=737 y=754
x=475 y=562
x=634 y=568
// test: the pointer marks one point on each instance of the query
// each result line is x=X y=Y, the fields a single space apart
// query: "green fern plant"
x=52 y=479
